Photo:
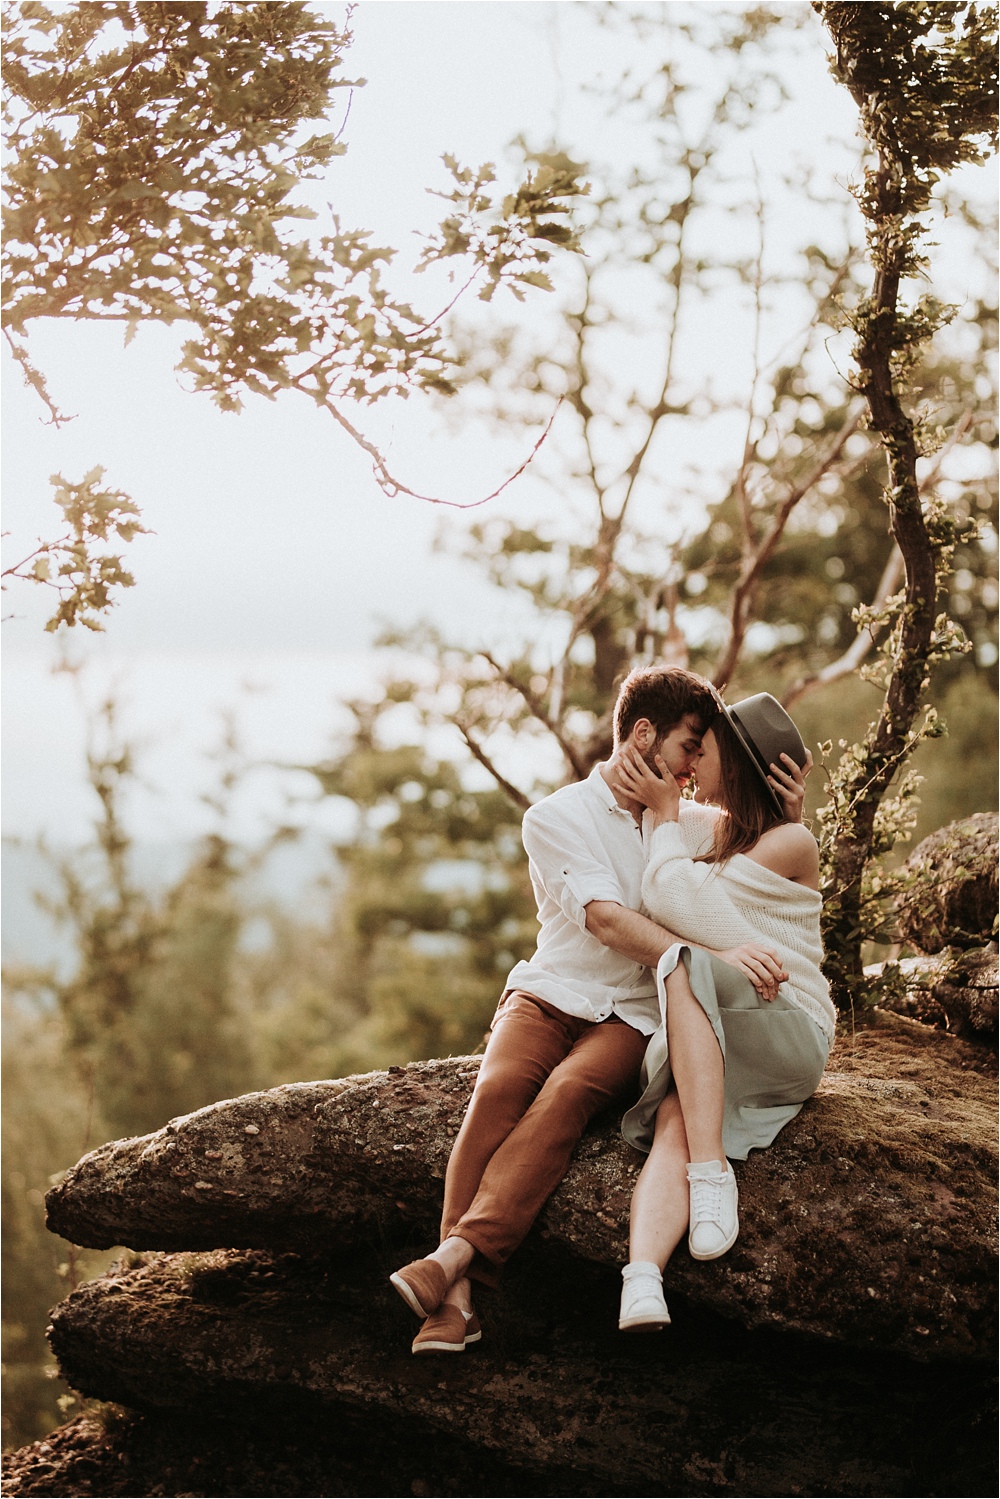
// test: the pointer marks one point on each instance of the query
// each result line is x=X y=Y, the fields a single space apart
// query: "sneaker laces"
x=706 y=1198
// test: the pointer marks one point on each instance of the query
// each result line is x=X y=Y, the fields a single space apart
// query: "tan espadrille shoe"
x=422 y=1285
x=449 y=1330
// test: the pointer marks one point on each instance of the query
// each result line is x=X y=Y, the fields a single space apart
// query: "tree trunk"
x=874 y=59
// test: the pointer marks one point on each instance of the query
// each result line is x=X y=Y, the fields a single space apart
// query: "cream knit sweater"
x=726 y=905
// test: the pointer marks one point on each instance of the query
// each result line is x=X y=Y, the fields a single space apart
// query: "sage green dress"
x=774 y=1055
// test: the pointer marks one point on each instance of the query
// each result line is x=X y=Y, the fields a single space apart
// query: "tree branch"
x=756 y=559
x=36 y=380
x=535 y=707
x=510 y=791
x=861 y=645
x=393 y=487
x=890 y=580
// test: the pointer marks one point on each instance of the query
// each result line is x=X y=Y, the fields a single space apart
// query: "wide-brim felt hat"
x=766 y=733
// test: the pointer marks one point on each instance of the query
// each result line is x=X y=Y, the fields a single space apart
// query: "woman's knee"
x=679 y=984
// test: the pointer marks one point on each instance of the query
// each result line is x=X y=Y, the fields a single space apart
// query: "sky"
x=275 y=559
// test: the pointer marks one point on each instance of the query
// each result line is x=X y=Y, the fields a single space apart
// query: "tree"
x=154 y=150
x=609 y=591
x=923 y=77
x=787 y=581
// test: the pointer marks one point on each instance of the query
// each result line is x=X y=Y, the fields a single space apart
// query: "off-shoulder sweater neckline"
x=759 y=874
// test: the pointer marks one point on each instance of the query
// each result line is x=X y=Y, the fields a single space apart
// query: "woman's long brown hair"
x=743 y=796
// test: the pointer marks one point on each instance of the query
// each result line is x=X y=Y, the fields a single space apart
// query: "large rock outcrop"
x=553 y=1389
x=869 y=1222
x=952 y=887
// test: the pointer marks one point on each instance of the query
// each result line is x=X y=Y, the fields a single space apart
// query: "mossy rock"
x=952 y=887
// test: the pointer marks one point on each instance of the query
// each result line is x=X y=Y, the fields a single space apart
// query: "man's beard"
x=649 y=760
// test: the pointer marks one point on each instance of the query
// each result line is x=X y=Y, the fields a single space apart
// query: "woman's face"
x=708 y=772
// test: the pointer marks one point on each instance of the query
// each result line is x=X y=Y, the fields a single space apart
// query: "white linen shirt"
x=582 y=846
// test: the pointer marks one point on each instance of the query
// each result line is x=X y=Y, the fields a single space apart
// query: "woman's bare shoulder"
x=791 y=851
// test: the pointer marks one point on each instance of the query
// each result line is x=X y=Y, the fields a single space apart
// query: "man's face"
x=680 y=749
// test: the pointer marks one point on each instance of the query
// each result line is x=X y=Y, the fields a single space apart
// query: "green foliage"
x=149 y=1014
x=924 y=77
x=47 y=1124
x=153 y=156
x=436 y=905
x=154 y=151
x=509 y=249
x=82 y=576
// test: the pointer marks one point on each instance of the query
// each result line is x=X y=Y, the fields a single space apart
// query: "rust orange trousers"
x=544 y=1076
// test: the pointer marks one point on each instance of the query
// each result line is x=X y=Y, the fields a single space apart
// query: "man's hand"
x=789 y=782
x=760 y=965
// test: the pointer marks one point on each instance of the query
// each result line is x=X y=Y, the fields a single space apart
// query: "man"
x=572 y=1026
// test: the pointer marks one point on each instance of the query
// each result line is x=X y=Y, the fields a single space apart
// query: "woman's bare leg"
x=659 y=1215
x=697 y=1067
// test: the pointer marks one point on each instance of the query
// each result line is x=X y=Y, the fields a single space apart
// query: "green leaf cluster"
x=83 y=576
x=153 y=154
x=507 y=241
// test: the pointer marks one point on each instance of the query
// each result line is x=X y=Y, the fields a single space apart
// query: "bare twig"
x=677 y=280
x=393 y=487
x=36 y=380
x=445 y=310
x=537 y=710
x=749 y=441
x=510 y=791
x=756 y=557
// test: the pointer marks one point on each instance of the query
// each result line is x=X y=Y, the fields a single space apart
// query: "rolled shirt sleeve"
x=566 y=867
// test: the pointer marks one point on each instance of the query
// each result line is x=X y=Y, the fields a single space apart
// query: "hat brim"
x=754 y=756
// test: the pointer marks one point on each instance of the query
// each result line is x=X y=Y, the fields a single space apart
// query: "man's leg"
x=526 y=1042
x=529 y=1038
x=529 y=1164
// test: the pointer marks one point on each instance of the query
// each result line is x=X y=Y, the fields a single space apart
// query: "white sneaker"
x=643 y=1308
x=714 y=1223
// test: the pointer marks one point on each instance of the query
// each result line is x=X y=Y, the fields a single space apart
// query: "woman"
x=736 y=1054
